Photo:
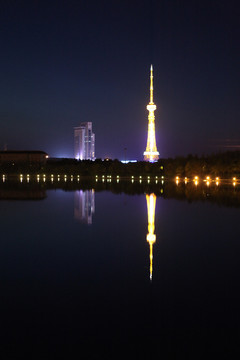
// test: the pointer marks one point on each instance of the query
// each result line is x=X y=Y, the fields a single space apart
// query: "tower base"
x=151 y=156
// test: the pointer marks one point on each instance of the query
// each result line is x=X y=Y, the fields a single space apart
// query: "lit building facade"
x=84 y=142
x=151 y=154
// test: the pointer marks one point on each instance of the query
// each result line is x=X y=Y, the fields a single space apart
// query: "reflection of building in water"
x=151 y=237
x=84 y=205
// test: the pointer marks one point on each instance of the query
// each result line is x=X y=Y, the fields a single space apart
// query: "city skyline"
x=67 y=61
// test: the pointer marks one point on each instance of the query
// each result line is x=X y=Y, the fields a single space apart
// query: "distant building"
x=30 y=157
x=84 y=142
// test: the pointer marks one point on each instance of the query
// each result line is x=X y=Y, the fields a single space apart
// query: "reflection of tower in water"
x=84 y=206
x=151 y=237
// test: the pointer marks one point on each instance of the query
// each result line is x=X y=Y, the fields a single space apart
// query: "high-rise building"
x=151 y=154
x=84 y=142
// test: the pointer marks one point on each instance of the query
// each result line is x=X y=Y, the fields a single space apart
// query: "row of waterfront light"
x=103 y=178
x=207 y=180
x=109 y=178
x=43 y=177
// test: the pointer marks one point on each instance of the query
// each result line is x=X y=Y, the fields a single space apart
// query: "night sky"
x=66 y=62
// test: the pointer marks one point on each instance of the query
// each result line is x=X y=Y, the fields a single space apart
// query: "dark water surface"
x=72 y=280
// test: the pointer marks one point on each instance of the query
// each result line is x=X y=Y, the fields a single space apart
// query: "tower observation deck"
x=151 y=154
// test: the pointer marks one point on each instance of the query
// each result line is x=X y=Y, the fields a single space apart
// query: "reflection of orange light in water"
x=208 y=180
x=151 y=237
x=196 y=180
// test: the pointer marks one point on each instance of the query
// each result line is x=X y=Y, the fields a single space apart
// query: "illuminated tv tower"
x=151 y=154
x=151 y=237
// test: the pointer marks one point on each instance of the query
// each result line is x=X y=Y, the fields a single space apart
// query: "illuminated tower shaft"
x=151 y=237
x=151 y=154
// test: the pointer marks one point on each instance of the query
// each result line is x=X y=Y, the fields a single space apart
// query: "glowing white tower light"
x=151 y=154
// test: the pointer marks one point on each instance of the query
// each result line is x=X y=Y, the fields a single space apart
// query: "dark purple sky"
x=66 y=62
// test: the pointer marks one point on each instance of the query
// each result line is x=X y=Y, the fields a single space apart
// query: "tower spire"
x=151 y=154
x=151 y=85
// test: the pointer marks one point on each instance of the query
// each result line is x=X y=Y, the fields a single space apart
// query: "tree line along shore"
x=223 y=165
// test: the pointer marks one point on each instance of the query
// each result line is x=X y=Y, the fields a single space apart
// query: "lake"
x=108 y=272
